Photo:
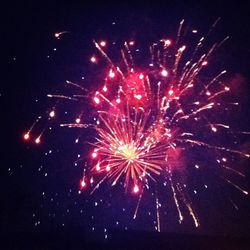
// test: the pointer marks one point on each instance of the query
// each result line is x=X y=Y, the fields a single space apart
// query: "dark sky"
x=28 y=38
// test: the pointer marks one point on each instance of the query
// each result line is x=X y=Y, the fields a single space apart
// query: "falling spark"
x=26 y=136
x=52 y=114
x=59 y=34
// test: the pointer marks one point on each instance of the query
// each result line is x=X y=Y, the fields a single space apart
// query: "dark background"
x=28 y=74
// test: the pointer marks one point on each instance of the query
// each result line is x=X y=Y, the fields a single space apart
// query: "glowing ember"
x=52 y=114
x=136 y=189
x=103 y=43
x=164 y=73
x=37 y=141
x=96 y=100
x=93 y=59
x=83 y=183
x=26 y=136
x=111 y=74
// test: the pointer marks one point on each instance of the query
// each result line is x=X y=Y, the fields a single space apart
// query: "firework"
x=149 y=117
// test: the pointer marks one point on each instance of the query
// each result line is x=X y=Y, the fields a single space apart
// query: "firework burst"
x=149 y=117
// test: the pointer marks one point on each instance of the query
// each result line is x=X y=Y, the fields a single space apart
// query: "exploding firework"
x=150 y=118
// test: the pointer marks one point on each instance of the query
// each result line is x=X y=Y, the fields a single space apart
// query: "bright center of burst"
x=129 y=152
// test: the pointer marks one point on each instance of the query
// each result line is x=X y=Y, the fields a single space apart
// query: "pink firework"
x=148 y=117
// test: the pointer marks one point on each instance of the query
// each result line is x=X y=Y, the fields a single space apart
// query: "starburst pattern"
x=149 y=117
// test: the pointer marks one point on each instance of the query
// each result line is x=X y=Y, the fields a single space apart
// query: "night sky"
x=40 y=183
